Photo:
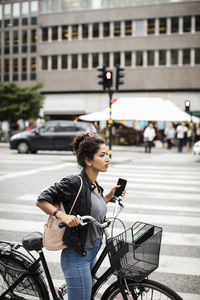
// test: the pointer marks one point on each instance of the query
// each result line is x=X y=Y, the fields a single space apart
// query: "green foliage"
x=19 y=102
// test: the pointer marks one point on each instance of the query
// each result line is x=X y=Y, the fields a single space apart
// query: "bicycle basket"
x=135 y=252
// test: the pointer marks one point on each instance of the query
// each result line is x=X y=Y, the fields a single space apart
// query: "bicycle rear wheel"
x=31 y=287
x=145 y=290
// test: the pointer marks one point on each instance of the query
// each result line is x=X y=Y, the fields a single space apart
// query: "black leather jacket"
x=66 y=191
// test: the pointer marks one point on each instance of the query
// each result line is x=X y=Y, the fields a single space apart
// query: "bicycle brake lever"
x=81 y=221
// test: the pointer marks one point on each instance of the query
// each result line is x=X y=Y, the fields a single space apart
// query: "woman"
x=83 y=241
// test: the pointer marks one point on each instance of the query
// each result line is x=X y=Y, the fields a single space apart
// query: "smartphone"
x=122 y=183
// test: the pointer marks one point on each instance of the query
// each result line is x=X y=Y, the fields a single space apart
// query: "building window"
x=25 y=13
x=186 y=24
x=140 y=28
x=174 y=25
x=54 y=62
x=0 y=15
x=65 y=32
x=7 y=14
x=34 y=12
x=95 y=30
x=197 y=56
x=33 y=36
x=106 y=29
x=6 y=42
x=24 y=41
x=74 y=32
x=151 y=26
x=85 y=31
x=64 y=61
x=95 y=60
x=162 y=57
x=16 y=14
x=128 y=27
x=6 y=69
x=116 y=58
x=54 y=31
x=174 y=57
x=150 y=58
x=162 y=25
x=15 y=41
x=106 y=59
x=84 y=61
x=139 y=58
x=117 y=28
x=74 y=61
x=44 y=62
x=128 y=59
x=197 y=23
x=15 y=69
x=33 y=68
x=186 y=56
x=24 y=69
x=45 y=34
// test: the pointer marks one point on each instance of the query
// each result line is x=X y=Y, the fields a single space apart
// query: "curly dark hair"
x=85 y=146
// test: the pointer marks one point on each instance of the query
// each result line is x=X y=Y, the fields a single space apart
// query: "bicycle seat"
x=33 y=241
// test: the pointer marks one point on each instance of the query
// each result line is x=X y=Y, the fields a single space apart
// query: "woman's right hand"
x=69 y=220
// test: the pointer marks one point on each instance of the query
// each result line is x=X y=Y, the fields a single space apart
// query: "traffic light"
x=187 y=106
x=108 y=79
x=102 y=72
x=119 y=75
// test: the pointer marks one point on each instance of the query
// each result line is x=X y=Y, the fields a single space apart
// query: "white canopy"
x=142 y=109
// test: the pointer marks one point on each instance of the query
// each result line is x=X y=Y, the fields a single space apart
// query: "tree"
x=19 y=102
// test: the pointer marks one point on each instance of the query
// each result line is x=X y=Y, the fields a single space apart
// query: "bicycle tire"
x=144 y=290
x=31 y=288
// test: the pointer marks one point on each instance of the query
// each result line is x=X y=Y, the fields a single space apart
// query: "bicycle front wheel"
x=32 y=287
x=145 y=290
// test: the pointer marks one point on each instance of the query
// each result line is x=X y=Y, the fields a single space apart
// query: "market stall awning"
x=142 y=109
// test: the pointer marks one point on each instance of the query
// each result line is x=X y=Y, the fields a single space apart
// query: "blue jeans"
x=77 y=272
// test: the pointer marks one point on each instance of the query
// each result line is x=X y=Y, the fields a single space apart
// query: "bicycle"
x=133 y=254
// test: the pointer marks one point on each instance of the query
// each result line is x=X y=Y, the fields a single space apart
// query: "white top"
x=181 y=131
x=149 y=134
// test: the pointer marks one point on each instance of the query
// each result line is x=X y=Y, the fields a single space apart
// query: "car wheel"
x=23 y=147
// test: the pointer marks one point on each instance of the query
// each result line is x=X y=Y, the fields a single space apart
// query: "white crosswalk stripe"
x=146 y=186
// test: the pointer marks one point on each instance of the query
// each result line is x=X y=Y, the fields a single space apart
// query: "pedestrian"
x=170 y=134
x=83 y=242
x=197 y=133
x=149 y=135
x=181 y=130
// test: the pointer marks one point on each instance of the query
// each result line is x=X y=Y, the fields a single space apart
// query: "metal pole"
x=110 y=123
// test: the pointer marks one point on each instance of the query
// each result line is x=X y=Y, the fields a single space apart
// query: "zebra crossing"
x=163 y=196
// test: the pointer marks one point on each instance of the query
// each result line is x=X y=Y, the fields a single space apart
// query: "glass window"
x=24 y=21
x=162 y=57
x=151 y=26
x=174 y=57
x=7 y=14
x=25 y=9
x=197 y=23
x=0 y=14
x=186 y=24
x=150 y=58
x=34 y=8
x=106 y=59
x=116 y=58
x=174 y=25
x=24 y=36
x=84 y=61
x=197 y=56
x=64 y=61
x=33 y=64
x=128 y=27
x=106 y=29
x=44 y=62
x=54 y=62
x=85 y=31
x=6 y=66
x=95 y=30
x=45 y=34
x=54 y=33
x=33 y=36
x=7 y=38
x=65 y=32
x=15 y=69
x=15 y=41
x=16 y=13
x=33 y=20
x=24 y=69
x=95 y=60
x=117 y=28
x=186 y=56
x=74 y=32
x=74 y=61
x=139 y=58
x=128 y=59
x=140 y=28
x=162 y=25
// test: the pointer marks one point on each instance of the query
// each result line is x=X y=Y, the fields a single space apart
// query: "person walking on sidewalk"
x=149 y=135
x=170 y=134
x=181 y=130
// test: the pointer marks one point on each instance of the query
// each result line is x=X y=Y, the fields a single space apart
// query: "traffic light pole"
x=110 y=123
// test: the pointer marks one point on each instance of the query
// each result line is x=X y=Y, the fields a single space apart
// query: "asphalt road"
x=163 y=189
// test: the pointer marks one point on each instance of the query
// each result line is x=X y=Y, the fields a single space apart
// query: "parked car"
x=196 y=149
x=53 y=135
